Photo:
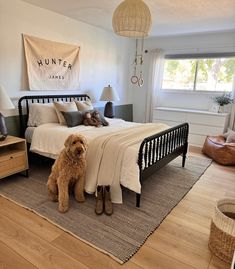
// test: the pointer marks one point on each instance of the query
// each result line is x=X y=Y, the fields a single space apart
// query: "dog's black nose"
x=79 y=151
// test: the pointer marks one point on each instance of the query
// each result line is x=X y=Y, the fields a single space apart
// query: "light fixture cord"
x=136 y=52
x=142 y=50
x=141 y=80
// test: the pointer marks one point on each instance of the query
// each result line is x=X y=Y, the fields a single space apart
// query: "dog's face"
x=87 y=115
x=76 y=146
x=96 y=114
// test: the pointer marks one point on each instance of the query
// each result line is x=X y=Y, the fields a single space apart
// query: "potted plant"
x=223 y=100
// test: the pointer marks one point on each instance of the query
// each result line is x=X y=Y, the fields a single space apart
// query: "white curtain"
x=156 y=58
x=232 y=118
x=232 y=115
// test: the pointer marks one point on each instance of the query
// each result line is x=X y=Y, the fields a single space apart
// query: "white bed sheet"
x=29 y=134
x=48 y=140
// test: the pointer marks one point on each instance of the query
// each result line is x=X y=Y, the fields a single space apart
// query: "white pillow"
x=230 y=136
x=64 y=107
x=41 y=113
x=84 y=105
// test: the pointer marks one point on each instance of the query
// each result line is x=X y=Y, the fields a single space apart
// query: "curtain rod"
x=189 y=48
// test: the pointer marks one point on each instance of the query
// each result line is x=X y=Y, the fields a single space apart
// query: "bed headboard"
x=25 y=101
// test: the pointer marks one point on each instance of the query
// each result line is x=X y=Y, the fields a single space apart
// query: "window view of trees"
x=211 y=74
x=179 y=74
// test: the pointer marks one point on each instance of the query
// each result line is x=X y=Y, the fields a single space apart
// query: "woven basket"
x=222 y=234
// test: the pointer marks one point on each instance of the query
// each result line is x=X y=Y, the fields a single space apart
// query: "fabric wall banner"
x=51 y=65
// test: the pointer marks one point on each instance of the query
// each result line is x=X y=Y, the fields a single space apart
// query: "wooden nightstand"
x=13 y=156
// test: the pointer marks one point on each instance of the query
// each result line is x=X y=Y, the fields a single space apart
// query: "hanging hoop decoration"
x=140 y=80
x=135 y=79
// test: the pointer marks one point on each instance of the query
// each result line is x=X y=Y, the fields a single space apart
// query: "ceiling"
x=170 y=17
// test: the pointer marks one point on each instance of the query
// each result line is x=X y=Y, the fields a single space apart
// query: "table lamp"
x=109 y=94
x=5 y=103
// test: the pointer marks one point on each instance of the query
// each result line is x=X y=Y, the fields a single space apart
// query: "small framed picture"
x=214 y=108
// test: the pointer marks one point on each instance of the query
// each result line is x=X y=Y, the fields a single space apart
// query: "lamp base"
x=3 y=128
x=2 y=137
x=108 y=110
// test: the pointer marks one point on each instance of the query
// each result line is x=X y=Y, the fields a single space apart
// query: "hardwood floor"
x=181 y=241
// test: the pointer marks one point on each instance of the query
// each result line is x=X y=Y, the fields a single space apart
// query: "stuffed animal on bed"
x=89 y=120
x=96 y=115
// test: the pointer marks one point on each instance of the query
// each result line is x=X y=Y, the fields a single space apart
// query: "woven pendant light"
x=132 y=18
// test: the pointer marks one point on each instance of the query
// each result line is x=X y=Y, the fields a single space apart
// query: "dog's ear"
x=69 y=140
x=84 y=142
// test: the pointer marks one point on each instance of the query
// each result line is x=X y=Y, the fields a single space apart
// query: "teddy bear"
x=96 y=115
x=89 y=120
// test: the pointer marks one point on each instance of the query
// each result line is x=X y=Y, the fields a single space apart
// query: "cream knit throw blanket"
x=106 y=154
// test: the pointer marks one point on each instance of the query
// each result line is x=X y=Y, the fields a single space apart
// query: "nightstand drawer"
x=13 y=156
x=12 y=163
x=19 y=161
x=5 y=166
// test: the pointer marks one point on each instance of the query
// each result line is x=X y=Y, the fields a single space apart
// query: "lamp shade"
x=132 y=18
x=109 y=94
x=5 y=101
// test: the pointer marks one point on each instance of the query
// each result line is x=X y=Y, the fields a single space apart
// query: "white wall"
x=211 y=42
x=103 y=56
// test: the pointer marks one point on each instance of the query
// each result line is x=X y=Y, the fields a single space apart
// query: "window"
x=208 y=72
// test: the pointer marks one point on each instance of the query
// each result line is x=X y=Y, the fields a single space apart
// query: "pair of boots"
x=103 y=201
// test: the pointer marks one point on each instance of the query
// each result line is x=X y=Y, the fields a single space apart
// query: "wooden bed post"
x=140 y=164
x=185 y=150
x=184 y=154
x=138 y=199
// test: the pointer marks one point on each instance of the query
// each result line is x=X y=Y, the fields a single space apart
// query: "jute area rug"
x=122 y=234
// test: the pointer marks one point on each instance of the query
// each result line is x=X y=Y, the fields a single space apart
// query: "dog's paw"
x=53 y=197
x=80 y=198
x=63 y=209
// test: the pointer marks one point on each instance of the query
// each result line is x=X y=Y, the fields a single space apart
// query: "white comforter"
x=48 y=140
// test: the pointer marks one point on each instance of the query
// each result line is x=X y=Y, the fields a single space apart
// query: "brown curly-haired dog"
x=68 y=171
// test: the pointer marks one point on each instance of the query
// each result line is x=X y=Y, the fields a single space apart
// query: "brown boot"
x=108 y=208
x=99 y=207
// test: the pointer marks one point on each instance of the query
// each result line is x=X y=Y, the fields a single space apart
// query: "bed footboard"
x=159 y=149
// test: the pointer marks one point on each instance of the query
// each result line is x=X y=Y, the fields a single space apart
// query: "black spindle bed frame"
x=155 y=151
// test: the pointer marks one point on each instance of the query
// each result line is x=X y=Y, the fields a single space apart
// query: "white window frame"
x=194 y=56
